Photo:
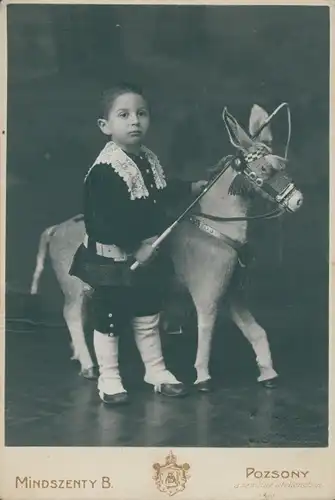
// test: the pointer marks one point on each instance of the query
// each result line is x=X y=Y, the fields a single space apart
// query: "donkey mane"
x=214 y=170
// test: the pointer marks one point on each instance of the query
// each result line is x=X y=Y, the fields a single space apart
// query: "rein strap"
x=236 y=245
x=269 y=215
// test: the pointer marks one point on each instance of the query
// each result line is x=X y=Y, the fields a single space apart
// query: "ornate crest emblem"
x=171 y=478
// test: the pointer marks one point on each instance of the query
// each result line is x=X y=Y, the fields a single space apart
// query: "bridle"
x=277 y=212
x=274 y=191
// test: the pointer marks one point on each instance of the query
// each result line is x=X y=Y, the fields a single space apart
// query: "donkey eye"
x=263 y=169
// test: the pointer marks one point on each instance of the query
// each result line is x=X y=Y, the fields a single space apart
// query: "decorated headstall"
x=258 y=169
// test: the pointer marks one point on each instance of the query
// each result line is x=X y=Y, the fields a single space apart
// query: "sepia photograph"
x=167 y=227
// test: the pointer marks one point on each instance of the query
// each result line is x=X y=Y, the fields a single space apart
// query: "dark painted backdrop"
x=192 y=61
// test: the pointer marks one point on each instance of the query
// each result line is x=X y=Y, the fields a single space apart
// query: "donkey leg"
x=257 y=337
x=206 y=321
x=205 y=266
x=206 y=293
x=73 y=315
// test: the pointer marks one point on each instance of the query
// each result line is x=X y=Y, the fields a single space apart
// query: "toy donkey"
x=204 y=246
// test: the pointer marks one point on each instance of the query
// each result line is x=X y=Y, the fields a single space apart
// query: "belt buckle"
x=104 y=250
x=110 y=251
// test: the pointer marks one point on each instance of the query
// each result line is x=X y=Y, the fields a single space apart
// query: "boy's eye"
x=123 y=114
x=143 y=112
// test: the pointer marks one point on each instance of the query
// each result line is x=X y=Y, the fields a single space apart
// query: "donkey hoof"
x=172 y=390
x=89 y=373
x=205 y=386
x=270 y=384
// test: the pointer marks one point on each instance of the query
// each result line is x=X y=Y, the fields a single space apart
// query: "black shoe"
x=172 y=390
x=272 y=383
x=205 y=386
x=121 y=398
x=89 y=373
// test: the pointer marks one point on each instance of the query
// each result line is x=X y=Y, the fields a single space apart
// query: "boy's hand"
x=198 y=186
x=145 y=252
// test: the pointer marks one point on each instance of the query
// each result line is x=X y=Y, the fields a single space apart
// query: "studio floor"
x=49 y=404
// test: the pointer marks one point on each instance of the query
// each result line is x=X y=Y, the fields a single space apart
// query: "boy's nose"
x=134 y=118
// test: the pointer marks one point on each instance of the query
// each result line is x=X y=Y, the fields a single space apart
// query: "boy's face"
x=128 y=120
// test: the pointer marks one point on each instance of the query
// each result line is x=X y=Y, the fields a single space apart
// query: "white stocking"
x=107 y=353
x=146 y=331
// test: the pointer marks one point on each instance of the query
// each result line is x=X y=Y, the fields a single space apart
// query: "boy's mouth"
x=135 y=133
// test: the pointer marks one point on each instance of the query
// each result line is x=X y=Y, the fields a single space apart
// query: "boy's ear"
x=102 y=124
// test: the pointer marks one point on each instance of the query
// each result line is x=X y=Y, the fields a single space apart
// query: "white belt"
x=111 y=251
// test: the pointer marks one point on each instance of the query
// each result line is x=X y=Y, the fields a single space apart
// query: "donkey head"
x=257 y=168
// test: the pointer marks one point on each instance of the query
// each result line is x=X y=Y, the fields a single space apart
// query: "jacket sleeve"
x=104 y=207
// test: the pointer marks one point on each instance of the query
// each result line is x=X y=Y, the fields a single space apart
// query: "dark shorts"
x=111 y=309
x=120 y=294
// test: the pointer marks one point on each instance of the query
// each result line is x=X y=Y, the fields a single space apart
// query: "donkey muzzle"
x=291 y=200
x=282 y=190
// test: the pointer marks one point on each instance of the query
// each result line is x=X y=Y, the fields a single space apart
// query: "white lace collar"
x=127 y=169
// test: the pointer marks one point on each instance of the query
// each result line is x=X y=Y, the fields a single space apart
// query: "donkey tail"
x=40 y=259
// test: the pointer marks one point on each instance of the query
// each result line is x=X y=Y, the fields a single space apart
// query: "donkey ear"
x=258 y=116
x=238 y=137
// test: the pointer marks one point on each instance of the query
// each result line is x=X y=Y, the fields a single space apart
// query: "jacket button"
x=110 y=315
x=147 y=171
x=155 y=201
x=111 y=325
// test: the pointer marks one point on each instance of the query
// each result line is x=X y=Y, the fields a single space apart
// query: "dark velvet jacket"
x=112 y=217
x=125 y=202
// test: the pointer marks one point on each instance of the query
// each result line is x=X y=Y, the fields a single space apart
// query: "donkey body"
x=203 y=263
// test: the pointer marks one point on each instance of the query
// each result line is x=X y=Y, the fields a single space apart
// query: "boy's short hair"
x=109 y=95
